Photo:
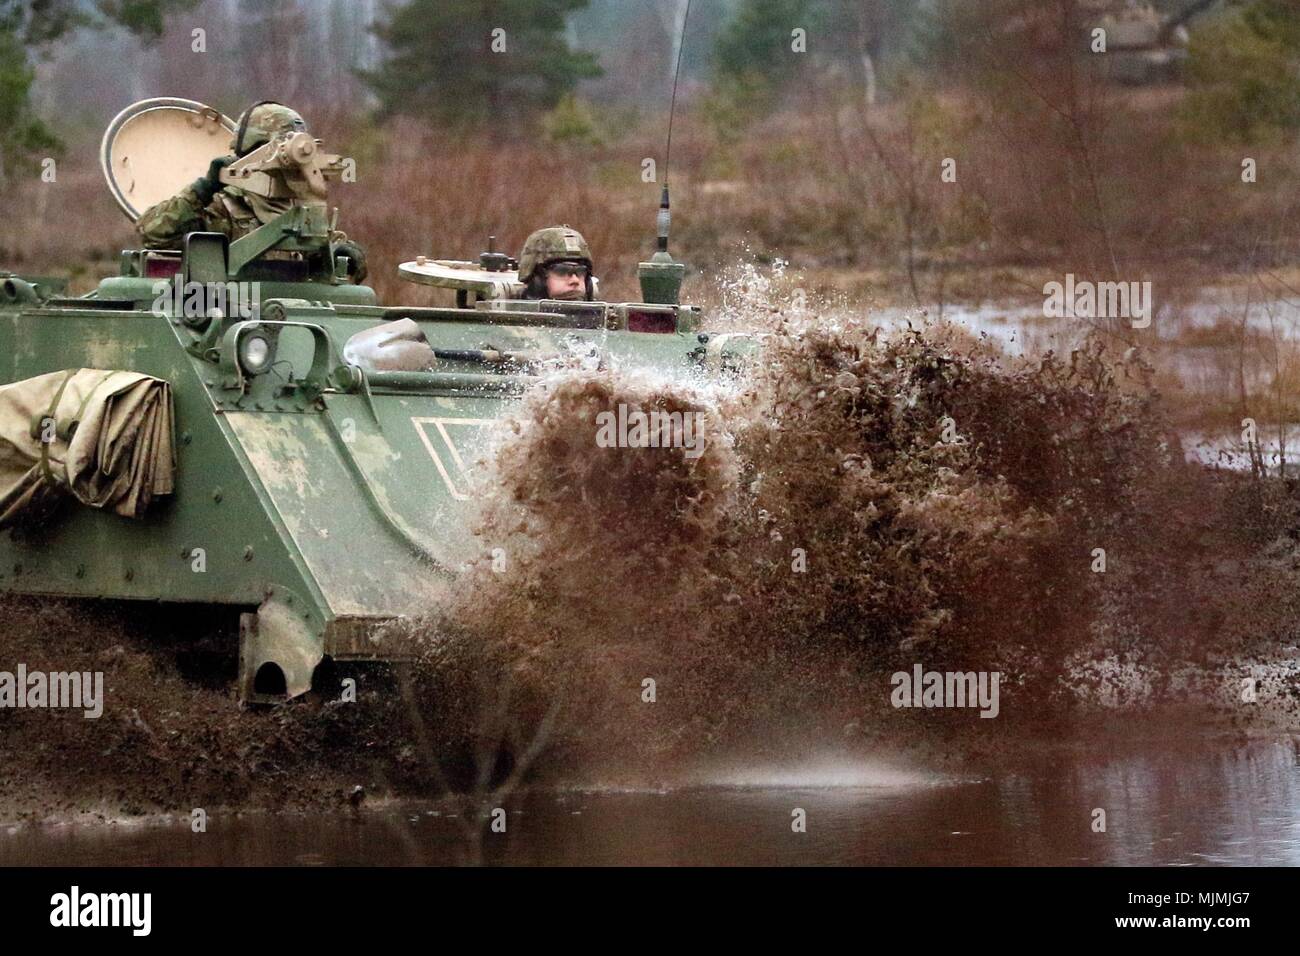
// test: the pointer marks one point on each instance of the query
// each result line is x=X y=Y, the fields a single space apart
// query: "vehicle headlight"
x=255 y=353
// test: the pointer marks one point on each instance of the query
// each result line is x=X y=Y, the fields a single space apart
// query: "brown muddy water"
x=1183 y=804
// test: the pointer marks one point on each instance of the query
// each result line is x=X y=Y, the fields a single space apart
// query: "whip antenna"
x=661 y=277
x=672 y=108
x=664 y=219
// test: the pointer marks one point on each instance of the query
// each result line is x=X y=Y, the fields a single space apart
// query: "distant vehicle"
x=1145 y=46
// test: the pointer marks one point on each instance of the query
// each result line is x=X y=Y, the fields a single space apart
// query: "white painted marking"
x=441 y=425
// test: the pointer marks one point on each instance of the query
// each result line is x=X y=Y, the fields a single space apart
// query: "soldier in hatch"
x=556 y=264
x=208 y=206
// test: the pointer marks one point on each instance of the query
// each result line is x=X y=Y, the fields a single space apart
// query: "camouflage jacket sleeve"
x=164 y=226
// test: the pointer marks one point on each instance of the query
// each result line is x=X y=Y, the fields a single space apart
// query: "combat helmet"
x=261 y=121
x=553 y=244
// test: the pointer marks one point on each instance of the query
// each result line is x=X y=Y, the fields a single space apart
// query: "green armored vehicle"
x=242 y=423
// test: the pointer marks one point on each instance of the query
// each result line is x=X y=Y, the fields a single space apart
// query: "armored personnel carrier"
x=1147 y=45
x=240 y=423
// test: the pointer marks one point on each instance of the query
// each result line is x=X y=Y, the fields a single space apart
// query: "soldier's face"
x=566 y=280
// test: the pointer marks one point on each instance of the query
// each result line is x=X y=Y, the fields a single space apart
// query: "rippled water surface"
x=1221 y=804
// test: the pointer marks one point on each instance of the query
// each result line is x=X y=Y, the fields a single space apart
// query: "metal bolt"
x=217 y=495
x=248 y=553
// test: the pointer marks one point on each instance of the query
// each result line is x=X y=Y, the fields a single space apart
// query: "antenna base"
x=661 y=280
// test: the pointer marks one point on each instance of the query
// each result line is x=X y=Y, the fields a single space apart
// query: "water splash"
x=868 y=501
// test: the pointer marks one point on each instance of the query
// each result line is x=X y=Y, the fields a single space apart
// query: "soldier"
x=556 y=264
x=207 y=206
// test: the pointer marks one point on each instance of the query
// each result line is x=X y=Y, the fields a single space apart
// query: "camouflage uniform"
x=207 y=206
x=232 y=212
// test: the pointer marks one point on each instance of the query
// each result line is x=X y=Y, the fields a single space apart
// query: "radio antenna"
x=672 y=108
x=661 y=278
x=664 y=222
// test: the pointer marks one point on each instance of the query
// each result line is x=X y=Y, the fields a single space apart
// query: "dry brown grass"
x=828 y=185
x=851 y=197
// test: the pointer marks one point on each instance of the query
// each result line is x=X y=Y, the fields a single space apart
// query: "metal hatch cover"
x=466 y=276
x=156 y=147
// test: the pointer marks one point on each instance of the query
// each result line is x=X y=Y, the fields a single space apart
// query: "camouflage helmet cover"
x=553 y=244
x=262 y=121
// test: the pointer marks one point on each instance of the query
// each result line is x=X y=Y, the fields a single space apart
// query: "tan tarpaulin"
x=103 y=437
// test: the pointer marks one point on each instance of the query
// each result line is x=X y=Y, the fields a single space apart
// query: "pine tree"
x=756 y=45
x=28 y=27
x=1242 y=71
x=755 y=55
x=503 y=61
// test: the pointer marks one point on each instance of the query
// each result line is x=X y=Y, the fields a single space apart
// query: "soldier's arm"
x=165 y=225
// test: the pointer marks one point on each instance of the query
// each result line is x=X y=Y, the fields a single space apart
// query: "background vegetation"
x=813 y=131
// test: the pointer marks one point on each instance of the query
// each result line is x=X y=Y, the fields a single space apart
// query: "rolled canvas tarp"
x=103 y=437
